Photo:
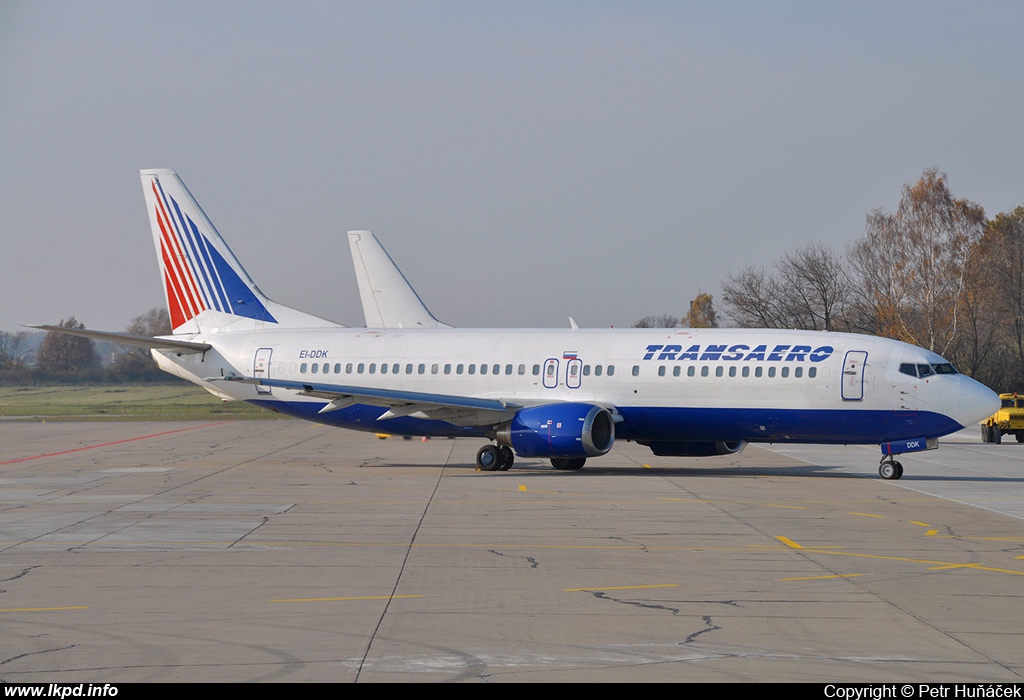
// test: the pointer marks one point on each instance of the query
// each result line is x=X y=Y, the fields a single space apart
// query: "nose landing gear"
x=889 y=468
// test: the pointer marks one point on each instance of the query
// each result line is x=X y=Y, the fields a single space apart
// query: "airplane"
x=565 y=395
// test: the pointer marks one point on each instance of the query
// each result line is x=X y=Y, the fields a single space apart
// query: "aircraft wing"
x=464 y=410
x=139 y=341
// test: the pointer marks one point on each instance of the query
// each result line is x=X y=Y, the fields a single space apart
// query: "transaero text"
x=738 y=353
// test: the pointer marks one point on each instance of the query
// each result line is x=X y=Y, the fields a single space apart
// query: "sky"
x=521 y=161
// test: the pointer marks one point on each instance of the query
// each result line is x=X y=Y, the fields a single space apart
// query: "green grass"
x=124 y=402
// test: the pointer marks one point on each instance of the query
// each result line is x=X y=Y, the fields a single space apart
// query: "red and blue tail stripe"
x=196 y=275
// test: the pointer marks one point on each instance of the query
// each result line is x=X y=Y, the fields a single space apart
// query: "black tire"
x=986 y=433
x=888 y=470
x=488 y=459
x=508 y=457
x=567 y=464
x=1019 y=436
x=997 y=435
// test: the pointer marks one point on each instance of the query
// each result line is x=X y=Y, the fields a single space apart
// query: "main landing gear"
x=494 y=458
x=568 y=464
x=889 y=468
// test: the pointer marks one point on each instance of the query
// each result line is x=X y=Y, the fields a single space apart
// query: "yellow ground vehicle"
x=1008 y=420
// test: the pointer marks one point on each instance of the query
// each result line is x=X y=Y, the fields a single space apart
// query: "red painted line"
x=115 y=442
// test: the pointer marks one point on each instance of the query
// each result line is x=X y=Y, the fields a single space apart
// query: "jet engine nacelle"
x=695 y=449
x=569 y=430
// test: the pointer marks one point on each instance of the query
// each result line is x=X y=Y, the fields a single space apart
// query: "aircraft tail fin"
x=389 y=301
x=204 y=284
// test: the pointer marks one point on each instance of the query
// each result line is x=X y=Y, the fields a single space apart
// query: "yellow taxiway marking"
x=623 y=588
x=69 y=607
x=866 y=515
x=788 y=542
x=647 y=466
x=522 y=487
x=353 y=597
x=932 y=532
x=819 y=578
x=918 y=522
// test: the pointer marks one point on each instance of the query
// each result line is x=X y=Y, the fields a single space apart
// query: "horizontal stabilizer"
x=139 y=341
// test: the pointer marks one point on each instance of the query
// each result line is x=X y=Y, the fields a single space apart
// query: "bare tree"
x=806 y=289
x=663 y=321
x=14 y=350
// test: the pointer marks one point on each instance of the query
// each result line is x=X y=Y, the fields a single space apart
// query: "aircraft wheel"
x=488 y=459
x=888 y=470
x=899 y=470
x=566 y=464
x=507 y=457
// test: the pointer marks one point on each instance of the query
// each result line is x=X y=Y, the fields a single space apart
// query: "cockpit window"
x=945 y=368
x=908 y=368
x=925 y=371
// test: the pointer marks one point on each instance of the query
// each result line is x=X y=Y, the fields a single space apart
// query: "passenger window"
x=812 y=372
x=746 y=371
x=361 y=368
x=704 y=371
x=433 y=368
x=798 y=372
x=458 y=369
x=394 y=368
x=314 y=367
x=771 y=371
x=348 y=368
x=408 y=369
x=508 y=369
x=483 y=369
x=422 y=369
x=636 y=370
x=597 y=370
x=758 y=371
x=732 y=371
x=496 y=369
x=522 y=369
x=586 y=370
x=719 y=371
x=373 y=368
x=785 y=371
x=551 y=370
x=676 y=371
x=661 y=371
x=383 y=368
x=302 y=368
x=690 y=371
x=472 y=368
x=611 y=370
x=447 y=369
x=337 y=368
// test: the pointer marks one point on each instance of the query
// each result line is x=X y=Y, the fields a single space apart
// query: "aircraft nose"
x=975 y=402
